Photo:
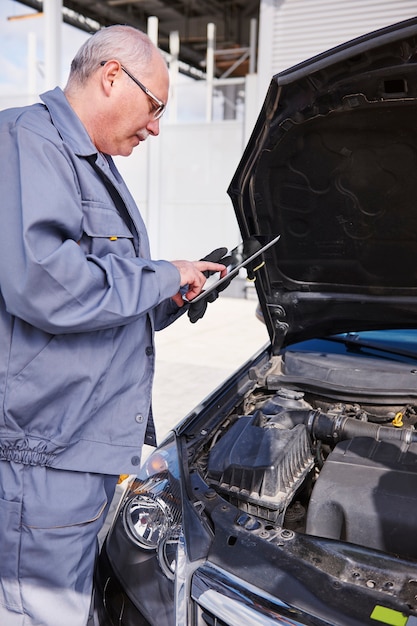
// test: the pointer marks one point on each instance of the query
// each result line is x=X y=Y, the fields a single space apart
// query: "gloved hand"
x=251 y=268
x=197 y=310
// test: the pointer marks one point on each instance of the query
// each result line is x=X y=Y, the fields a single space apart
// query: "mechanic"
x=80 y=301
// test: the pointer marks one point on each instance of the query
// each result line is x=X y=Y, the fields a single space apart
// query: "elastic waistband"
x=21 y=451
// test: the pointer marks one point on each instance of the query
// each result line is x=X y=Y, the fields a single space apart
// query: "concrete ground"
x=193 y=359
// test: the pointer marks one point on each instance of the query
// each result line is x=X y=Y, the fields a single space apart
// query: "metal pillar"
x=252 y=45
x=32 y=64
x=153 y=27
x=174 y=49
x=153 y=163
x=211 y=44
x=52 y=10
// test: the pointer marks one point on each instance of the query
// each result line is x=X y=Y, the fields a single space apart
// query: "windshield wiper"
x=357 y=342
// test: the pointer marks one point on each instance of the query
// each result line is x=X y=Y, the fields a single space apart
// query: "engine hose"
x=331 y=429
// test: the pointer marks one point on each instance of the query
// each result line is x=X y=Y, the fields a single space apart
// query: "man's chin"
x=136 y=142
x=127 y=149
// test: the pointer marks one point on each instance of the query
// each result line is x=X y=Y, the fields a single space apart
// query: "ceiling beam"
x=231 y=18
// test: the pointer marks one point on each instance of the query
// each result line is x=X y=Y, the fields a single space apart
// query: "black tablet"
x=241 y=256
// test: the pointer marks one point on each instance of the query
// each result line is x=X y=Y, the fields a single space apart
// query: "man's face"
x=131 y=113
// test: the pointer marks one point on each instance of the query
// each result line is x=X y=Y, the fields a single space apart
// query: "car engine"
x=309 y=462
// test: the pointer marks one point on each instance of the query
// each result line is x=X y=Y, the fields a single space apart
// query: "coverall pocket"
x=62 y=515
x=62 y=499
x=9 y=539
x=105 y=232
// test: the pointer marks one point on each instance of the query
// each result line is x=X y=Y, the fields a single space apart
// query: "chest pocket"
x=105 y=232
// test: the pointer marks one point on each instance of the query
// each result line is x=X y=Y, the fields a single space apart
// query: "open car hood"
x=331 y=167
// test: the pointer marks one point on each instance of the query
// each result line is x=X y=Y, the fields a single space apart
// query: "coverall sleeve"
x=46 y=278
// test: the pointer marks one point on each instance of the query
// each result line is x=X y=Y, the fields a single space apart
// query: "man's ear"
x=111 y=69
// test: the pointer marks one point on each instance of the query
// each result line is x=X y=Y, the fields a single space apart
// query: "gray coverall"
x=80 y=300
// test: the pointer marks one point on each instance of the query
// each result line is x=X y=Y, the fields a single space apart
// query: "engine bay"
x=299 y=457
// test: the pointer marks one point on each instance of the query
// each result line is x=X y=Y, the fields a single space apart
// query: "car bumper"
x=215 y=597
x=112 y=605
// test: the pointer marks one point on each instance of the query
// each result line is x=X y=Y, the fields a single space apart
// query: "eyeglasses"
x=159 y=106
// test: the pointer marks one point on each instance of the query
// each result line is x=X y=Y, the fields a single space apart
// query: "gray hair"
x=128 y=45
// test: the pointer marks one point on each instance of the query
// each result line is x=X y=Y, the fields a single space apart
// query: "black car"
x=290 y=495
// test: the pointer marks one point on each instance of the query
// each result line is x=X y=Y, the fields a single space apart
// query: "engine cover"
x=259 y=467
x=364 y=495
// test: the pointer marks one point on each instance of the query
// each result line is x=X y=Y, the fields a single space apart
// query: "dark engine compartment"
x=308 y=462
x=366 y=494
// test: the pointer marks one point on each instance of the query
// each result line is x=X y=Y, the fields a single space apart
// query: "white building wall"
x=291 y=31
x=188 y=167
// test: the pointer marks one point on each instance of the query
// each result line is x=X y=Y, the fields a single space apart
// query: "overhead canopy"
x=188 y=17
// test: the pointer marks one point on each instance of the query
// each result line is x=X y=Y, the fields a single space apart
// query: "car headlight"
x=151 y=512
x=146 y=519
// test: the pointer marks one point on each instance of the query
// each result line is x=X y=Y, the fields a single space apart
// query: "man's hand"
x=194 y=274
x=196 y=311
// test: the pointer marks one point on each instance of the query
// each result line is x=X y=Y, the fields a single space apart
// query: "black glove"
x=197 y=310
x=251 y=268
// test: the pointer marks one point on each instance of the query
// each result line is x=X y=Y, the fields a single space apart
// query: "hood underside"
x=332 y=168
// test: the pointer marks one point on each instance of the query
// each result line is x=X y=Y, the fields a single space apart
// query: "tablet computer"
x=246 y=252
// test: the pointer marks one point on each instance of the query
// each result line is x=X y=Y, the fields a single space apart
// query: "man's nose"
x=153 y=127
